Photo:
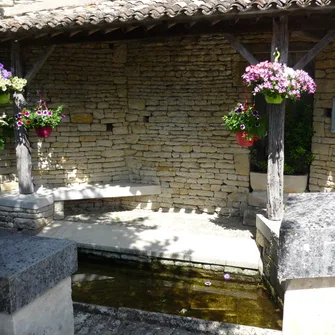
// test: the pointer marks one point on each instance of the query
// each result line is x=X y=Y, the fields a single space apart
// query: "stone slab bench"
x=81 y=192
x=35 y=285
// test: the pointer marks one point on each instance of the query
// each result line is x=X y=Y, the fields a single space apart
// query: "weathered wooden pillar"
x=23 y=149
x=275 y=177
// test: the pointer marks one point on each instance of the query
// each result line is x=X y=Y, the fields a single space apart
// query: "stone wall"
x=322 y=176
x=150 y=112
x=27 y=221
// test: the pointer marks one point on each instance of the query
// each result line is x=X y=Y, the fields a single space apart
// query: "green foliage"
x=297 y=141
x=245 y=119
x=40 y=117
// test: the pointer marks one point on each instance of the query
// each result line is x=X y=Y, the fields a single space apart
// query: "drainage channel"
x=185 y=291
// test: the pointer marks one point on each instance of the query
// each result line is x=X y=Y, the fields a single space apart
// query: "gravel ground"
x=199 y=223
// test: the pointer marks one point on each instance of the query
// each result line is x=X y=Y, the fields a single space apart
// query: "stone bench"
x=81 y=192
x=35 y=285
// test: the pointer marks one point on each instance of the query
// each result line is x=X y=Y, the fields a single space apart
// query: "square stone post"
x=35 y=285
x=307 y=264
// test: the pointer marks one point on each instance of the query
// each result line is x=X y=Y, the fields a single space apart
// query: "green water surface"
x=175 y=290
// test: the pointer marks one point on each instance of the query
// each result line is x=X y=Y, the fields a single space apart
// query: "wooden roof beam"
x=39 y=63
x=241 y=48
x=328 y=38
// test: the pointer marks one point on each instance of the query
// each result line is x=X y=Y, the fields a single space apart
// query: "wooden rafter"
x=39 y=63
x=241 y=49
x=328 y=38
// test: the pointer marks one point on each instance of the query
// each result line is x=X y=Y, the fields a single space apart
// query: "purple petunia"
x=242 y=126
x=19 y=123
x=45 y=112
x=49 y=113
x=208 y=283
x=39 y=112
x=226 y=276
x=63 y=116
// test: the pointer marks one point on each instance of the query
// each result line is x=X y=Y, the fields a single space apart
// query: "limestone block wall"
x=149 y=112
x=322 y=176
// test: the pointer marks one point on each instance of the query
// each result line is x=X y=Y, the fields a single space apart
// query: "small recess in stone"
x=109 y=127
x=146 y=119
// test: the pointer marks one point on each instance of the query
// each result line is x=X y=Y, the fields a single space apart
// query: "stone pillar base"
x=49 y=314
x=309 y=307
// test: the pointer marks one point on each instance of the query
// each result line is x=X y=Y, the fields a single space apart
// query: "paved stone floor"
x=98 y=320
x=200 y=238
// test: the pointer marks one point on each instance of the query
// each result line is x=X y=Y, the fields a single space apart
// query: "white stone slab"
x=164 y=243
x=80 y=192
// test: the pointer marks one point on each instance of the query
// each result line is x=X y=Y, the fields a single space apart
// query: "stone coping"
x=79 y=192
x=27 y=201
x=31 y=265
x=173 y=323
x=267 y=227
x=307 y=237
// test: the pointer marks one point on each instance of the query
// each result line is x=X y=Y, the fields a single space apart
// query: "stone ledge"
x=29 y=266
x=27 y=201
x=104 y=191
x=267 y=227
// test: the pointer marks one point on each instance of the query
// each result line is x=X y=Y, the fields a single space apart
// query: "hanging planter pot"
x=4 y=98
x=277 y=100
x=243 y=142
x=43 y=131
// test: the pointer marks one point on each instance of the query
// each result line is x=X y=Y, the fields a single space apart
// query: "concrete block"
x=309 y=307
x=307 y=235
x=49 y=314
x=29 y=266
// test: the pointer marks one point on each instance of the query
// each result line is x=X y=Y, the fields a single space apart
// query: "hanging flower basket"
x=277 y=81
x=276 y=100
x=43 y=131
x=4 y=98
x=243 y=140
x=42 y=119
x=245 y=121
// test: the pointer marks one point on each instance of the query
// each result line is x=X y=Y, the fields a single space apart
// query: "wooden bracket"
x=241 y=49
x=39 y=63
x=328 y=38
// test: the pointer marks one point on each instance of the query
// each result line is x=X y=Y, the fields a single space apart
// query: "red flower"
x=256 y=138
x=27 y=122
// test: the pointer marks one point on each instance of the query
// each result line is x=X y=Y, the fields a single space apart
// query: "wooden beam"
x=241 y=49
x=109 y=30
x=73 y=33
x=22 y=144
x=276 y=113
x=328 y=38
x=39 y=63
x=309 y=36
x=93 y=31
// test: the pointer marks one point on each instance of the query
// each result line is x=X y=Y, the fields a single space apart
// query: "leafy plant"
x=246 y=119
x=41 y=116
x=297 y=141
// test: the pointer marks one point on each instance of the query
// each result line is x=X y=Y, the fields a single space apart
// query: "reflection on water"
x=175 y=290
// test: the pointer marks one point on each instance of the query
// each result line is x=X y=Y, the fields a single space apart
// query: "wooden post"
x=275 y=177
x=23 y=149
